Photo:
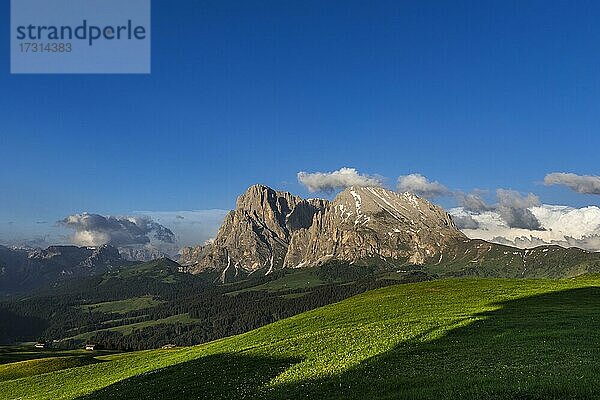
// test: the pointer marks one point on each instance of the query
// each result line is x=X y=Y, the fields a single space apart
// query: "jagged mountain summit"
x=271 y=230
x=141 y=253
x=255 y=235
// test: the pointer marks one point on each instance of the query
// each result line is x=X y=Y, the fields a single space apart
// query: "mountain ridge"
x=271 y=230
x=25 y=269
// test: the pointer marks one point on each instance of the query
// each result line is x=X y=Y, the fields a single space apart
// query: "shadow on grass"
x=40 y=366
x=540 y=347
x=220 y=376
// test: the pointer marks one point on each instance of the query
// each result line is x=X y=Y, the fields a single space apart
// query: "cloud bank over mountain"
x=514 y=208
x=560 y=225
x=163 y=232
x=97 y=230
x=524 y=222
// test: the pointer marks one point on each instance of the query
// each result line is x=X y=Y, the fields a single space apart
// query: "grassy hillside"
x=148 y=305
x=462 y=338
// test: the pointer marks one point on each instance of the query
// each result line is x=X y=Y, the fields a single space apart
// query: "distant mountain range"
x=270 y=230
x=141 y=253
x=25 y=269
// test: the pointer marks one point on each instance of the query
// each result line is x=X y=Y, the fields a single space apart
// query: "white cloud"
x=473 y=202
x=97 y=230
x=421 y=186
x=465 y=222
x=340 y=179
x=585 y=184
x=514 y=208
x=562 y=225
x=575 y=222
x=90 y=238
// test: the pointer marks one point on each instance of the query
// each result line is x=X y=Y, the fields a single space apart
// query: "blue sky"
x=474 y=94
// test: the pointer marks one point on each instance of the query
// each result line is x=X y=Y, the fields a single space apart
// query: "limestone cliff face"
x=374 y=225
x=255 y=235
x=270 y=230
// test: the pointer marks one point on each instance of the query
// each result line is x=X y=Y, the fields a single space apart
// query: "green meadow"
x=446 y=339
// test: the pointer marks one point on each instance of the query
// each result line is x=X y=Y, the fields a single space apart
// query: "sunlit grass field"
x=456 y=338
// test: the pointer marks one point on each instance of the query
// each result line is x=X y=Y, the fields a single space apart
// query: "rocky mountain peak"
x=270 y=229
x=141 y=253
x=255 y=235
x=377 y=205
x=268 y=207
x=102 y=256
x=369 y=224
